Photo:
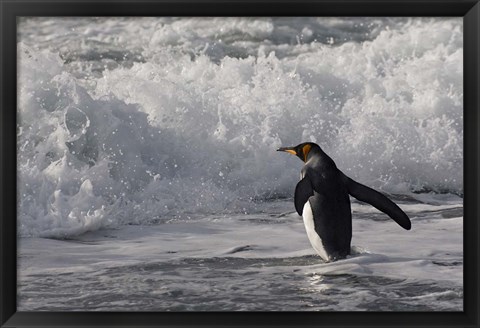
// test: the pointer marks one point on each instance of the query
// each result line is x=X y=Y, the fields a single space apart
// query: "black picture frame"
x=10 y=10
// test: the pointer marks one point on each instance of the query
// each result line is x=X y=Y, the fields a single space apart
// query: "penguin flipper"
x=379 y=201
x=303 y=191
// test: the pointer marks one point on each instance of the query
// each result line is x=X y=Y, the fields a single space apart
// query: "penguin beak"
x=290 y=150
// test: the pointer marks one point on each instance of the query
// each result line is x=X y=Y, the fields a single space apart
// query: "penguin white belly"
x=314 y=238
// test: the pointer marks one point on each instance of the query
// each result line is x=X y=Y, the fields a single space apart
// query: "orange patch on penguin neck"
x=306 y=150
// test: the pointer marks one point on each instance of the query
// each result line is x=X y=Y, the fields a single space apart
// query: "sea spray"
x=136 y=121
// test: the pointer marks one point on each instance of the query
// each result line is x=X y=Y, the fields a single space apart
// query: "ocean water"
x=148 y=178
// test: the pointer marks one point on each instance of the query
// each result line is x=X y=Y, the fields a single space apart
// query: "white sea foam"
x=134 y=120
x=246 y=262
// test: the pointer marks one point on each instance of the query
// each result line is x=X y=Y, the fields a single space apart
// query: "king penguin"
x=322 y=199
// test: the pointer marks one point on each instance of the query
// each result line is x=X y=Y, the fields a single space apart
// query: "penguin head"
x=302 y=150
